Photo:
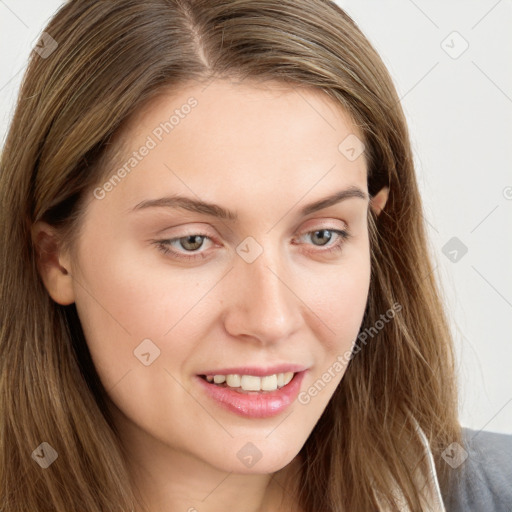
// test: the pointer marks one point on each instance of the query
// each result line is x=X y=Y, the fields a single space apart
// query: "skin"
x=263 y=151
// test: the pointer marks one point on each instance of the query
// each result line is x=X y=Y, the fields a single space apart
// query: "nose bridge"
x=265 y=305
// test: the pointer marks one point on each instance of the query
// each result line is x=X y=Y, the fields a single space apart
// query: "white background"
x=459 y=112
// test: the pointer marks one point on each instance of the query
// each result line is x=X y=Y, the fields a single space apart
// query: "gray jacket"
x=483 y=482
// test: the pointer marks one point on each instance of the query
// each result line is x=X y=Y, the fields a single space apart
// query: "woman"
x=174 y=335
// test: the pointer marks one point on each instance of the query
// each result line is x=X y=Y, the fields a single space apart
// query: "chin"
x=258 y=458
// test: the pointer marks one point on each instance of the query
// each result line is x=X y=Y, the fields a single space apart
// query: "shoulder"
x=482 y=479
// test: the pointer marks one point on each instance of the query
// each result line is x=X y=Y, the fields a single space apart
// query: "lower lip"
x=263 y=404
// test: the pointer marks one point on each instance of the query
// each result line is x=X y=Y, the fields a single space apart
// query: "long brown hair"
x=113 y=56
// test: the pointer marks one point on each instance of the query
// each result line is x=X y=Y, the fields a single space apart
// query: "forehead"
x=223 y=137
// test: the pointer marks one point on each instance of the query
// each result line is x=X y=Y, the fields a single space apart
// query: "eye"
x=326 y=233
x=191 y=243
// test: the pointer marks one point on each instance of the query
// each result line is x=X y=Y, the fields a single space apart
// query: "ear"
x=378 y=201
x=53 y=266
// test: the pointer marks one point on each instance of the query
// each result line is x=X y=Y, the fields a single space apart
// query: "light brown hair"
x=113 y=57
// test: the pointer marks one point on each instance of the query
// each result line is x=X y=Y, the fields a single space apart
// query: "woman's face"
x=167 y=294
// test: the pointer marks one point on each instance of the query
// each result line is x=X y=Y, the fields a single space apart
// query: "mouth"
x=252 y=396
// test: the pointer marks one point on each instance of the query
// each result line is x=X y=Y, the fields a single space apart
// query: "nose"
x=264 y=303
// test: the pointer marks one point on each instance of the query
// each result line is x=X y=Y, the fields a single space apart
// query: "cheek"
x=339 y=303
x=340 y=299
x=120 y=303
x=343 y=298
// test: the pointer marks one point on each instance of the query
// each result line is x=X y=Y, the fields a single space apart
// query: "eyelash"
x=163 y=245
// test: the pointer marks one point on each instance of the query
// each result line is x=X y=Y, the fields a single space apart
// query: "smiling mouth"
x=252 y=403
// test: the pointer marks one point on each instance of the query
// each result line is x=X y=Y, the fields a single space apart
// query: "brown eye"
x=193 y=242
x=180 y=246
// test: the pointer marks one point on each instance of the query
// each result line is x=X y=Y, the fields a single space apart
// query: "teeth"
x=233 y=381
x=253 y=383
x=268 y=383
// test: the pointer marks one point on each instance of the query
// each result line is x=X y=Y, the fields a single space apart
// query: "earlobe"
x=379 y=200
x=53 y=266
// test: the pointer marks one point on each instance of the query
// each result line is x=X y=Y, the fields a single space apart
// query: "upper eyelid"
x=322 y=224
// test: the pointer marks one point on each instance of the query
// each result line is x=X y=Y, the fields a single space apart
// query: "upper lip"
x=257 y=371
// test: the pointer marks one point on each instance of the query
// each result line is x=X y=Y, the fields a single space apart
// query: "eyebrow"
x=197 y=206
